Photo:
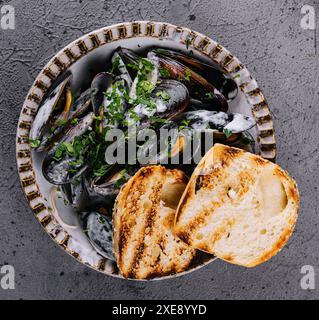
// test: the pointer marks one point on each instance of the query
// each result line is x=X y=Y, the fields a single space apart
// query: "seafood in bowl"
x=165 y=100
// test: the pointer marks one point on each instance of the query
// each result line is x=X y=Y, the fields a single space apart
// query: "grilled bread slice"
x=238 y=207
x=144 y=244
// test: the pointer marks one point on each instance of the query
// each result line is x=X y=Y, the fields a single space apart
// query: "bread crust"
x=144 y=244
x=230 y=176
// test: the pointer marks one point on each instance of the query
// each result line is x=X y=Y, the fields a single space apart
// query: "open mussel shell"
x=99 y=230
x=167 y=148
x=110 y=184
x=80 y=107
x=219 y=79
x=56 y=106
x=75 y=194
x=101 y=83
x=64 y=171
x=171 y=98
x=199 y=88
x=128 y=57
x=120 y=69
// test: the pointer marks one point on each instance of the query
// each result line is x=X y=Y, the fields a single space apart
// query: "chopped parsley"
x=74 y=121
x=184 y=124
x=209 y=95
x=228 y=133
x=60 y=122
x=115 y=64
x=34 y=143
x=188 y=74
x=164 y=95
x=144 y=88
x=164 y=73
x=157 y=120
x=116 y=98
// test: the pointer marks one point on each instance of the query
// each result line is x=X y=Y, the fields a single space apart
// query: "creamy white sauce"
x=205 y=117
x=220 y=119
x=152 y=77
x=85 y=251
x=240 y=123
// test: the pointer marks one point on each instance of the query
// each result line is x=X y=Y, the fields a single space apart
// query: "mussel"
x=75 y=194
x=108 y=98
x=65 y=169
x=120 y=68
x=101 y=83
x=129 y=59
x=167 y=101
x=199 y=88
x=142 y=70
x=99 y=230
x=226 y=85
x=55 y=108
x=110 y=184
x=79 y=108
x=170 y=146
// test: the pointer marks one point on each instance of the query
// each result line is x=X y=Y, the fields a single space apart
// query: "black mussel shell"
x=64 y=171
x=218 y=78
x=100 y=84
x=80 y=107
x=75 y=194
x=129 y=58
x=99 y=230
x=110 y=184
x=119 y=68
x=56 y=104
x=199 y=88
x=172 y=99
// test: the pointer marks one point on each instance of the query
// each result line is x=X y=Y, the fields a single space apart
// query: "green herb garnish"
x=74 y=121
x=228 y=133
x=164 y=73
x=164 y=95
x=188 y=74
x=34 y=143
x=209 y=95
x=115 y=64
x=60 y=123
x=184 y=124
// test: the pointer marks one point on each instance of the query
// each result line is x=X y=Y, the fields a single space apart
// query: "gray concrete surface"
x=267 y=37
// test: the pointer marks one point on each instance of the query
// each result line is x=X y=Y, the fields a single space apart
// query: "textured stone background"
x=267 y=37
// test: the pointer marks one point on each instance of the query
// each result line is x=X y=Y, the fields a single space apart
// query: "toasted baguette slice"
x=238 y=207
x=144 y=244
